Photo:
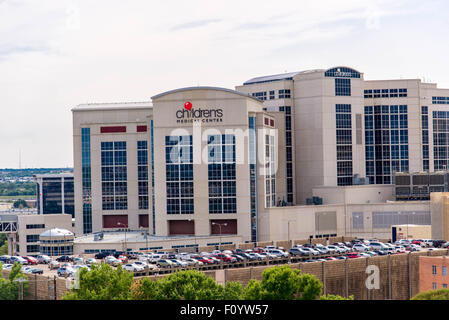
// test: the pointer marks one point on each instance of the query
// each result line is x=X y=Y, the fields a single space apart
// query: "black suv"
x=65 y=259
x=102 y=255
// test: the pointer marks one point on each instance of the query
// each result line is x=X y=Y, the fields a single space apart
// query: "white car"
x=268 y=255
x=193 y=262
x=278 y=253
x=360 y=248
x=415 y=247
x=255 y=256
x=133 y=267
x=80 y=266
x=377 y=245
x=364 y=254
x=180 y=263
x=91 y=261
x=7 y=266
x=111 y=260
x=43 y=259
x=400 y=249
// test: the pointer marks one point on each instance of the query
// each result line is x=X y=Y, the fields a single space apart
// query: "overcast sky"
x=56 y=54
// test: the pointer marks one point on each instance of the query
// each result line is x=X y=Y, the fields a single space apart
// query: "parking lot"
x=159 y=262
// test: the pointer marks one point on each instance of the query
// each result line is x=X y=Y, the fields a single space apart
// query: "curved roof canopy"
x=204 y=88
x=56 y=232
x=342 y=72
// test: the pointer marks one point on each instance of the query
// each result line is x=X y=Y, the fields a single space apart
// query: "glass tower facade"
x=221 y=174
x=344 y=144
x=179 y=174
x=386 y=142
x=86 y=180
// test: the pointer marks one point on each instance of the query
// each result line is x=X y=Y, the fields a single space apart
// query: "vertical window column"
x=253 y=177
x=221 y=173
x=425 y=137
x=114 y=175
x=179 y=174
x=344 y=144
x=142 y=173
x=86 y=180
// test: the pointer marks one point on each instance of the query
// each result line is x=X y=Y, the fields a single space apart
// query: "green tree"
x=440 y=294
x=336 y=297
x=9 y=288
x=186 y=285
x=283 y=283
x=102 y=283
x=20 y=204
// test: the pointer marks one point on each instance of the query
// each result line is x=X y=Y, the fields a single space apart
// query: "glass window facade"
x=270 y=171
x=86 y=180
x=222 y=174
x=288 y=151
x=344 y=144
x=342 y=87
x=253 y=176
x=425 y=137
x=114 y=175
x=386 y=142
x=142 y=173
x=179 y=174
x=440 y=120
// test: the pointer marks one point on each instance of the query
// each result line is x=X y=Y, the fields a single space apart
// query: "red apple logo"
x=188 y=105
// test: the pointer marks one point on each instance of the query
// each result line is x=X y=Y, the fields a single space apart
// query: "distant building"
x=55 y=193
x=23 y=230
x=433 y=273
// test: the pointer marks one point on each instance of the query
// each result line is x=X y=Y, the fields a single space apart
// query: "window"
x=179 y=174
x=342 y=87
x=444 y=271
x=344 y=143
x=222 y=174
x=434 y=285
x=260 y=95
x=142 y=174
x=114 y=175
x=284 y=94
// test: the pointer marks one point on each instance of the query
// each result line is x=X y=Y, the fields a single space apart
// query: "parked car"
x=132 y=267
x=311 y=251
x=80 y=266
x=164 y=263
x=364 y=255
x=113 y=261
x=65 y=259
x=36 y=271
x=415 y=247
x=5 y=259
x=259 y=250
x=179 y=263
x=345 y=249
x=65 y=272
x=7 y=266
x=53 y=265
x=352 y=255
x=334 y=249
x=330 y=258
x=428 y=243
x=399 y=249
x=18 y=259
x=360 y=247
x=438 y=243
x=244 y=255
x=78 y=260
x=377 y=245
x=194 y=262
x=225 y=258
x=279 y=253
x=204 y=260
x=239 y=258
x=91 y=261
x=42 y=258
x=255 y=256
x=31 y=260
x=371 y=253
x=380 y=252
x=102 y=255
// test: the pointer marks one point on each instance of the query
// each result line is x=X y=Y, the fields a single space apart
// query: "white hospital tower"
x=245 y=163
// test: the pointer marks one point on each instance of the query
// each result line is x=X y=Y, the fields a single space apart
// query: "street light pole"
x=220 y=225
x=125 y=226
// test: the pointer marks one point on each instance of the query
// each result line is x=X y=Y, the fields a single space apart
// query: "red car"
x=258 y=250
x=31 y=260
x=204 y=260
x=225 y=257
x=353 y=255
